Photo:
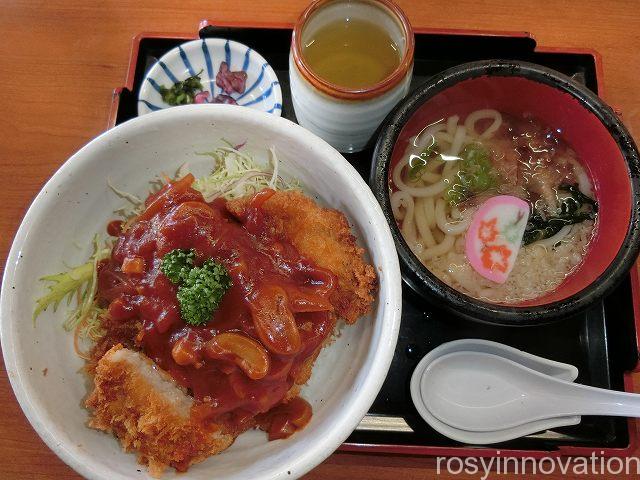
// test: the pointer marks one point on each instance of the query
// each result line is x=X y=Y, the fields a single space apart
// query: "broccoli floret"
x=200 y=289
x=201 y=292
x=177 y=264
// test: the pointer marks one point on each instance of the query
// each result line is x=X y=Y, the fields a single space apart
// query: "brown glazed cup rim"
x=337 y=91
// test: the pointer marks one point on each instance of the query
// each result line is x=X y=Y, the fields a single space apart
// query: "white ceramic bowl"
x=76 y=202
x=262 y=90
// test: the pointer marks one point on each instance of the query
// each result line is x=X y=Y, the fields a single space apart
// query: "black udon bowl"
x=607 y=266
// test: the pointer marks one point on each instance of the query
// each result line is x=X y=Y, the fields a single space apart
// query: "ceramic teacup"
x=347 y=118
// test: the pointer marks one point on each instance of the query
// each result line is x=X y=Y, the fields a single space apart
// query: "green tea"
x=351 y=53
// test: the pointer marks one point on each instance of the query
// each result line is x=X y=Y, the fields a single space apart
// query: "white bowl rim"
x=354 y=409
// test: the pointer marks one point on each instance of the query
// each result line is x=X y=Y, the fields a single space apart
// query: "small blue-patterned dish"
x=228 y=72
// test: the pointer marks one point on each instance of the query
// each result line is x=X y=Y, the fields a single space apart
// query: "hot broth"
x=440 y=193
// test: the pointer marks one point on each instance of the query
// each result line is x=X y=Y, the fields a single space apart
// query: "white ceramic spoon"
x=481 y=392
x=559 y=370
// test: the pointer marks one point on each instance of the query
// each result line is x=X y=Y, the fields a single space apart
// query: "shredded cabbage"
x=80 y=282
x=236 y=174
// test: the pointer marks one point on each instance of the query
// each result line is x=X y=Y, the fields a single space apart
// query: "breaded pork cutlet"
x=149 y=413
x=324 y=237
x=144 y=407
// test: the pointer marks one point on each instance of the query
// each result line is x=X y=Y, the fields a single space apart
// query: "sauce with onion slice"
x=268 y=328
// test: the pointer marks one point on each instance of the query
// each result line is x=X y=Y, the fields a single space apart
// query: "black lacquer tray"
x=601 y=343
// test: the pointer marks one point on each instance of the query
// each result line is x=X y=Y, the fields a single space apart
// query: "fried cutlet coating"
x=149 y=413
x=145 y=408
x=324 y=237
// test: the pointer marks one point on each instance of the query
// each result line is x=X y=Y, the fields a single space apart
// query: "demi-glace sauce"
x=262 y=268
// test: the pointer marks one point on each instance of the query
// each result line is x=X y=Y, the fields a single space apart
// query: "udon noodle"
x=453 y=165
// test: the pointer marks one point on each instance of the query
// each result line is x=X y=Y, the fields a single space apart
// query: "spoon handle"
x=575 y=399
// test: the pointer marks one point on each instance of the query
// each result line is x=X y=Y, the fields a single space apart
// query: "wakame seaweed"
x=574 y=209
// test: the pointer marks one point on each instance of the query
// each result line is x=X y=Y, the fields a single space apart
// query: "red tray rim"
x=425 y=450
